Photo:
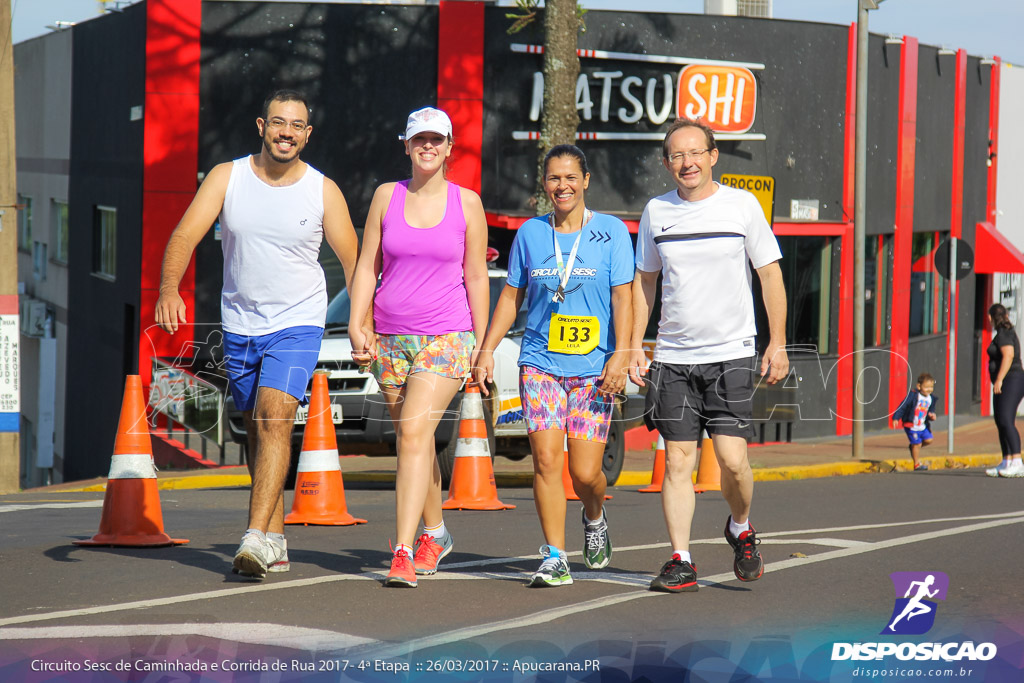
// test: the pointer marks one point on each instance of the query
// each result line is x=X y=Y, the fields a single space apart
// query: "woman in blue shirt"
x=574 y=268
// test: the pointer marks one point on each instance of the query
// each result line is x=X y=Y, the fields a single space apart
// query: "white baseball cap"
x=428 y=120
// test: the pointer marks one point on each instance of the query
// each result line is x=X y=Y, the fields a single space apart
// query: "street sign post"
x=953 y=257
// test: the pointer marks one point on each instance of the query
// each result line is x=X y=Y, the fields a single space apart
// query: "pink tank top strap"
x=397 y=203
x=453 y=212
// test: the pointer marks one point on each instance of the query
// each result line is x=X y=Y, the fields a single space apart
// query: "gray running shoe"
x=256 y=554
x=553 y=571
x=597 y=547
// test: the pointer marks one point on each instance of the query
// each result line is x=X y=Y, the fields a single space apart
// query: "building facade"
x=163 y=91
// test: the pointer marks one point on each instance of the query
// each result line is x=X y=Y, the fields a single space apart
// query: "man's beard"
x=268 y=145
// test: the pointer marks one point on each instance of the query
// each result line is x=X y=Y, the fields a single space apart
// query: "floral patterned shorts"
x=400 y=355
x=572 y=404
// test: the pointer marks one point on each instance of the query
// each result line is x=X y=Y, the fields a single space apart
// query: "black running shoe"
x=748 y=564
x=676 y=577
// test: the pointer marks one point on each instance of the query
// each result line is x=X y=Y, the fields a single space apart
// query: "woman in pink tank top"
x=426 y=239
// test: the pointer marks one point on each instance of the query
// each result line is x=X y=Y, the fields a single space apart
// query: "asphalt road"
x=830 y=546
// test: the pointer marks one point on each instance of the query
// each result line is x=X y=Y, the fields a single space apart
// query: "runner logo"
x=916 y=592
x=914 y=614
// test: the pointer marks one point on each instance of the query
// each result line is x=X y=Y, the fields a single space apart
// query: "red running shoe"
x=430 y=550
x=402 y=573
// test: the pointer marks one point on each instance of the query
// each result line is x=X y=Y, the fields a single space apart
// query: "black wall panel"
x=362 y=68
x=883 y=139
x=800 y=107
x=933 y=171
x=108 y=79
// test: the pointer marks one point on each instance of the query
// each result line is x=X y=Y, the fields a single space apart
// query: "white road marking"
x=50 y=506
x=888 y=525
x=997 y=520
x=275 y=635
x=835 y=542
x=401 y=649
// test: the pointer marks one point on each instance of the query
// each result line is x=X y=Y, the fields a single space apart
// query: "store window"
x=39 y=260
x=59 y=212
x=877 y=289
x=104 y=256
x=928 y=291
x=807 y=272
x=25 y=223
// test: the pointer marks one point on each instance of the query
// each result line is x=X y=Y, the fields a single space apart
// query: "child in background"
x=915 y=414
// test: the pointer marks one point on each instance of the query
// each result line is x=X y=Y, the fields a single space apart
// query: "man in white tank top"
x=274 y=211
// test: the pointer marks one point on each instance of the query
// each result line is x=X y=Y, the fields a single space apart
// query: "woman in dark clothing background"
x=1007 y=375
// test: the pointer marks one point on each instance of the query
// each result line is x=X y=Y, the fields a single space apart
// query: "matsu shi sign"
x=724 y=96
x=626 y=89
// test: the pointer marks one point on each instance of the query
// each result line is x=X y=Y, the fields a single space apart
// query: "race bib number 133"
x=573 y=334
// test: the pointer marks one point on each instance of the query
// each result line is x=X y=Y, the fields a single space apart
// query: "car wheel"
x=614 y=449
x=446 y=455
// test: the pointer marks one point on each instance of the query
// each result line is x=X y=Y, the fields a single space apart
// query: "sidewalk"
x=976 y=445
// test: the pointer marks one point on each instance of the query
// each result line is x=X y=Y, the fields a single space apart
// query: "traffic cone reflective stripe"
x=319 y=461
x=132 y=466
x=709 y=473
x=472 y=486
x=319 y=487
x=658 y=475
x=131 y=504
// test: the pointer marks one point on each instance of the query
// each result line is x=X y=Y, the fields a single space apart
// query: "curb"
x=626 y=478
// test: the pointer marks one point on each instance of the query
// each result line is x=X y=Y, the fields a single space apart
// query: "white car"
x=363 y=425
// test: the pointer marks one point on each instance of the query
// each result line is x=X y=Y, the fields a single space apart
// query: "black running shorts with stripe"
x=683 y=400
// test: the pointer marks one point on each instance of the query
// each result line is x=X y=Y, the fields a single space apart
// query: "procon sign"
x=724 y=96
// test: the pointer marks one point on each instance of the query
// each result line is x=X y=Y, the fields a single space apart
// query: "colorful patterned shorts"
x=572 y=404
x=400 y=355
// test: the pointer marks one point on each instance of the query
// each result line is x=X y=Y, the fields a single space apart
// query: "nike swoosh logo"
x=669 y=227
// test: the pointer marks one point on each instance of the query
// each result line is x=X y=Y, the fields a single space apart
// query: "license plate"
x=302 y=414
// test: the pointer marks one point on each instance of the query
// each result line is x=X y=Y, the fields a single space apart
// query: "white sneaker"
x=994 y=471
x=256 y=554
x=281 y=565
x=1014 y=470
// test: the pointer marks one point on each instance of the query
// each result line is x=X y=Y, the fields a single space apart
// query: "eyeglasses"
x=298 y=126
x=695 y=154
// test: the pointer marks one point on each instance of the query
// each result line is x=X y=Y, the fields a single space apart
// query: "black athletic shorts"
x=682 y=400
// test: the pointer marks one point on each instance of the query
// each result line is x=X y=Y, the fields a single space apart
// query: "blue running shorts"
x=282 y=360
x=917 y=437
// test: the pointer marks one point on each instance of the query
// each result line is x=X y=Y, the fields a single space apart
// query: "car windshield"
x=340 y=306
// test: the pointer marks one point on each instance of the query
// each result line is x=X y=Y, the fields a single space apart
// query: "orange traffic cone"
x=709 y=474
x=658 y=476
x=472 y=486
x=319 y=489
x=131 y=505
x=570 y=492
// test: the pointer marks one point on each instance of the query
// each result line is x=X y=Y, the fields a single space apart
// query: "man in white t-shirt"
x=274 y=210
x=699 y=237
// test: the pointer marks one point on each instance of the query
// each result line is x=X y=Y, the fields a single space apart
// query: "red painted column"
x=956 y=194
x=844 y=366
x=460 y=85
x=171 y=142
x=899 y=339
x=990 y=213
